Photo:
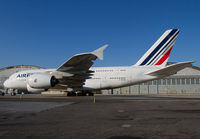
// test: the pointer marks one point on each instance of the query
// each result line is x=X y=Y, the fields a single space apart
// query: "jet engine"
x=33 y=90
x=41 y=81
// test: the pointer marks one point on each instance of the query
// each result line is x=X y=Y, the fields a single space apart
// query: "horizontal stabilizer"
x=171 y=69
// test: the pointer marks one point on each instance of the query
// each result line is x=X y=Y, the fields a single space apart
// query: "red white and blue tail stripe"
x=159 y=53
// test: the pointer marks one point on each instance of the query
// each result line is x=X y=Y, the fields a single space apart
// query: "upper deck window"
x=104 y=70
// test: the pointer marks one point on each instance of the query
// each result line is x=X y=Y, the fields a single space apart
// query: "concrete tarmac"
x=111 y=117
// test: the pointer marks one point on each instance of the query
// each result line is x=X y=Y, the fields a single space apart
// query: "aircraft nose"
x=6 y=84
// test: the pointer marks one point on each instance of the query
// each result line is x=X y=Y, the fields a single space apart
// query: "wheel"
x=71 y=94
x=2 y=94
x=13 y=94
x=91 y=94
x=79 y=94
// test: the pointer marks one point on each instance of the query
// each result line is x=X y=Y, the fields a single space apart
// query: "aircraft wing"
x=74 y=72
x=171 y=69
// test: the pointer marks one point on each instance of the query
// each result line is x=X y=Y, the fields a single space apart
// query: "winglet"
x=99 y=52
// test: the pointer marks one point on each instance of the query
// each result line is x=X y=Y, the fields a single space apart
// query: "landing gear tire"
x=13 y=94
x=80 y=94
x=71 y=94
x=3 y=94
x=91 y=94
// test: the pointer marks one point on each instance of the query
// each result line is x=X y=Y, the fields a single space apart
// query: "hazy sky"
x=48 y=32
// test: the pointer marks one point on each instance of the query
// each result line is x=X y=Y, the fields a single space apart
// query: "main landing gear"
x=2 y=93
x=13 y=94
x=83 y=93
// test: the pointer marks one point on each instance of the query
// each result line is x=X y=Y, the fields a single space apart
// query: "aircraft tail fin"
x=159 y=53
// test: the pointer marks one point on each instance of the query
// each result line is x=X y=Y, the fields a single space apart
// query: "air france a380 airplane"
x=77 y=75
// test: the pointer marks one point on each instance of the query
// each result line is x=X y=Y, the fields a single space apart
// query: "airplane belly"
x=106 y=84
x=92 y=85
x=19 y=85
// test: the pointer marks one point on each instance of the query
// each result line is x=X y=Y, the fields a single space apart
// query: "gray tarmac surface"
x=111 y=117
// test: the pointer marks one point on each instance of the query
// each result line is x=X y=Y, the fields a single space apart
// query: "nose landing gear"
x=12 y=92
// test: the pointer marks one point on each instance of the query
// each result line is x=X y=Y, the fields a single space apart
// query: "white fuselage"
x=75 y=74
x=101 y=78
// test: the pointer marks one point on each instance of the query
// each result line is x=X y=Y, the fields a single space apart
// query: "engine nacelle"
x=41 y=81
x=34 y=90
